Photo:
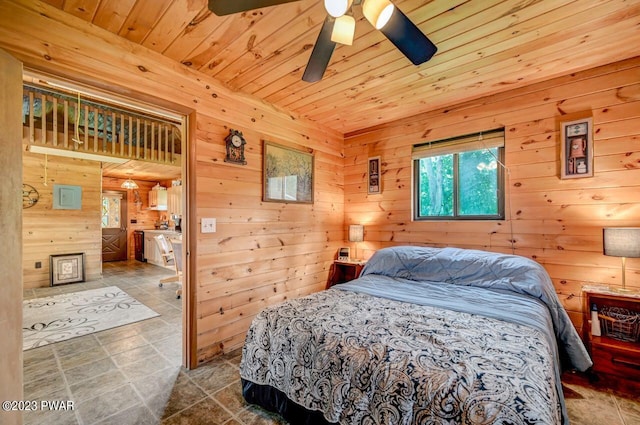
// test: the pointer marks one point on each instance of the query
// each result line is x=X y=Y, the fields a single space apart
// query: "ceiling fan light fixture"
x=343 y=30
x=337 y=8
x=378 y=12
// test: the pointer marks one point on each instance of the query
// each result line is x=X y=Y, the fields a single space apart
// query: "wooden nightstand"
x=611 y=356
x=344 y=271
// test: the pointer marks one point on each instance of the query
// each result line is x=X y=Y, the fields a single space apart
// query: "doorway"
x=114 y=226
x=144 y=137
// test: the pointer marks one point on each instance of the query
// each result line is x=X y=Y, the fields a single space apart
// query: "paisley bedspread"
x=361 y=353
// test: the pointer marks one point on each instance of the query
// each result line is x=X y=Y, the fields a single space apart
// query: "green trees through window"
x=460 y=185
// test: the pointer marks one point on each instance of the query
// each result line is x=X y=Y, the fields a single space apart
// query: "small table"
x=343 y=271
x=611 y=356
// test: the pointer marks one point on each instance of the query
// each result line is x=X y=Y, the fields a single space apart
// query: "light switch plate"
x=208 y=225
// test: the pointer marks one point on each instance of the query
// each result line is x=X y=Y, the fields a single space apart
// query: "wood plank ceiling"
x=484 y=47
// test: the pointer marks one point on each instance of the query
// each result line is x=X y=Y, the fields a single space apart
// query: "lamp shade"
x=343 y=30
x=378 y=12
x=129 y=184
x=621 y=241
x=337 y=8
x=356 y=233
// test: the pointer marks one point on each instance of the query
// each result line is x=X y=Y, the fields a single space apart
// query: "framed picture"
x=373 y=180
x=66 y=268
x=576 y=149
x=288 y=174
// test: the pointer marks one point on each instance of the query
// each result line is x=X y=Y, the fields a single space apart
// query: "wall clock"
x=30 y=196
x=235 y=147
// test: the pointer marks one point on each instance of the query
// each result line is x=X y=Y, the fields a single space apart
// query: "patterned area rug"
x=61 y=317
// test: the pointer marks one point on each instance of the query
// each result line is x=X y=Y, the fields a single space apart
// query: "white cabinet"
x=174 y=200
x=158 y=200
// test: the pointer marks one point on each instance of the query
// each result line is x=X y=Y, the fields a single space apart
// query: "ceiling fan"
x=339 y=27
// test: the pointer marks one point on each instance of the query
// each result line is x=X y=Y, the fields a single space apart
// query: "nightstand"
x=344 y=271
x=612 y=356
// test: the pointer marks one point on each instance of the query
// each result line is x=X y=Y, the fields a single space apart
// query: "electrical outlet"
x=208 y=225
x=38 y=265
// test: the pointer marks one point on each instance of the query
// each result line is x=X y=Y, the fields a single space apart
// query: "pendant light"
x=129 y=184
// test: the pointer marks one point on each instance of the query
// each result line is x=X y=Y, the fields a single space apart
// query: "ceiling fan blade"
x=228 y=7
x=321 y=54
x=408 y=38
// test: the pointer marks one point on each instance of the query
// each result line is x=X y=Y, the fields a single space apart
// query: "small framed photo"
x=373 y=172
x=576 y=149
x=66 y=268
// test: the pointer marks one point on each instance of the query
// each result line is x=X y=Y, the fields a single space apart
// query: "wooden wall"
x=555 y=222
x=262 y=252
x=145 y=218
x=47 y=231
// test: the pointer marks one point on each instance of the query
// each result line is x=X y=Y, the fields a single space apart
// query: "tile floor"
x=132 y=374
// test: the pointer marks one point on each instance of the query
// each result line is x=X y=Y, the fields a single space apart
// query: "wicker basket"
x=620 y=323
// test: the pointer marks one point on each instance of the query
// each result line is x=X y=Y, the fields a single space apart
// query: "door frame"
x=189 y=226
x=11 y=221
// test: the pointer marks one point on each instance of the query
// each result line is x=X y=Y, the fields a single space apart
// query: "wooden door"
x=114 y=226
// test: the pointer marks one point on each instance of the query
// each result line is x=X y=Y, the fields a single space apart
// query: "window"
x=111 y=210
x=460 y=178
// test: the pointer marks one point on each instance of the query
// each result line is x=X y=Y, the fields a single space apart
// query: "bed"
x=424 y=335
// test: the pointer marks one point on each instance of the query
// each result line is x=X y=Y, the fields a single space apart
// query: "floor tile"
x=138 y=414
x=204 y=412
x=144 y=367
x=214 y=376
x=107 y=404
x=89 y=370
x=78 y=359
x=97 y=385
x=231 y=397
x=75 y=345
x=134 y=355
x=125 y=344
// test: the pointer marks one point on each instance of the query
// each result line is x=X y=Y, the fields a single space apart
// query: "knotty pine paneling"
x=289 y=247
x=555 y=222
x=47 y=231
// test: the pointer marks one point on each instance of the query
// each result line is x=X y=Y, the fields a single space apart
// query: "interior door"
x=114 y=226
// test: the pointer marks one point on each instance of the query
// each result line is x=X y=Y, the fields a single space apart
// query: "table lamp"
x=621 y=242
x=356 y=234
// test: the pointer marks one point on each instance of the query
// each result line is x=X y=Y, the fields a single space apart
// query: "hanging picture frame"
x=576 y=148
x=374 y=184
x=288 y=174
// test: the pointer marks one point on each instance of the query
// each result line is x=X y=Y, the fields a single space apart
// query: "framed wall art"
x=373 y=173
x=288 y=174
x=576 y=149
x=66 y=268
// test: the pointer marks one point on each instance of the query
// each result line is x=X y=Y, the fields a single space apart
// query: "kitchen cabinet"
x=151 y=251
x=158 y=199
x=174 y=200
